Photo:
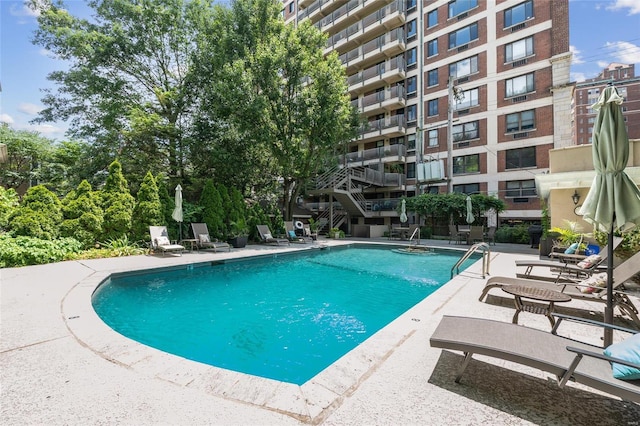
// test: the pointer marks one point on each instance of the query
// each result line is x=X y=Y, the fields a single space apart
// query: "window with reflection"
x=432 y=78
x=458 y=7
x=411 y=142
x=411 y=113
x=412 y=85
x=519 y=85
x=432 y=136
x=432 y=18
x=521 y=188
x=432 y=47
x=432 y=107
x=412 y=28
x=463 y=36
x=521 y=121
x=518 y=49
x=411 y=57
x=467 y=188
x=466 y=164
x=518 y=14
x=521 y=157
x=464 y=67
x=466 y=131
x=467 y=99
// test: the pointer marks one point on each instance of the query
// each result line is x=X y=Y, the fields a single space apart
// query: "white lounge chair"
x=160 y=241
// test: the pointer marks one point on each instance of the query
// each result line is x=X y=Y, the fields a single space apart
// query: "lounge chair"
x=565 y=358
x=564 y=269
x=292 y=236
x=160 y=240
x=267 y=237
x=204 y=240
x=586 y=289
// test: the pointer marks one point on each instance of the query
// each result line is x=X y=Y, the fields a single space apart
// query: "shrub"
x=9 y=203
x=23 y=251
x=83 y=215
x=212 y=210
x=117 y=203
x=513 y=234
x=629 y=246
x=148 y=210
x=39 y=215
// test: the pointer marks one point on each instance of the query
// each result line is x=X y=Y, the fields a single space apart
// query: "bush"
x=513 y=234
x=83 y=215
x=39 y=215
x=23 y=251
x=426 y=232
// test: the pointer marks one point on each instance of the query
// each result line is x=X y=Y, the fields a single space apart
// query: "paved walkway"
x=61 y=365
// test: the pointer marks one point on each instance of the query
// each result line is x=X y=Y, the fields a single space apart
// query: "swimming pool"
x=284 y=317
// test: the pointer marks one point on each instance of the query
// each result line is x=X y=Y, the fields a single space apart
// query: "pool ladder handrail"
x=486 y=258
x=415 y=231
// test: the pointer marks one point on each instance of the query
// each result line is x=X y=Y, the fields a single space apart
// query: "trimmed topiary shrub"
x=39 y=214
x=212 y=210
x=148 y=210
x=83 y=216
x=118 y=204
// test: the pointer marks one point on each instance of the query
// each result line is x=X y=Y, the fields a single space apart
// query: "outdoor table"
x=403 y=230
x=193 y=243
x=535 y=293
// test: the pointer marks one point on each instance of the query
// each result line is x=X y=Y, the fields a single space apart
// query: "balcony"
x=387 y=127
x=304 y=3
x=384 y=46
x=390 y=71
x=386 y=100
x=377 y=23
x=384 y=154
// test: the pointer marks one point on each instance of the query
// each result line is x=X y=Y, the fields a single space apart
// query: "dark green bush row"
x=513 y=234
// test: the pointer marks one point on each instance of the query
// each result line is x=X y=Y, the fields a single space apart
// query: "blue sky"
x=601 y=32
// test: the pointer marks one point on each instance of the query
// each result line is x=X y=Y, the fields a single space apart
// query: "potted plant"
x=239 y=234
x=313 y=227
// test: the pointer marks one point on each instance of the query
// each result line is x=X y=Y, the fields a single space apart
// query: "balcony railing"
x=377 y=71
x=377 y=44
x=380 y=153
x=395 y=92
x=383 y=123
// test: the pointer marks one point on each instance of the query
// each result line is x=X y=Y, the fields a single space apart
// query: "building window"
x=518 y=49
x=517 y=14
x=463 y=36
x=466 y=131
x=432 y=47
x=468 y=188
x=521 y=188
x=291 y=7
x=432 y=136
x=411 y=57
x=521 y=157
x=432 y=107
x=520 y=121
x=411 y=142
x=412 y=85
x=411 y=170
x=411 y=113
x=411 y=4
x=432 y=18
x=457 y=7
x=467 y=99
x=466 y=164
x=464 y=67
x=432 y=78
x=412 y=27
x=519 y=85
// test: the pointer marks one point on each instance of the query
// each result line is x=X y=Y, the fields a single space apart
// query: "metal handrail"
x=415 y=231
x=486 y=258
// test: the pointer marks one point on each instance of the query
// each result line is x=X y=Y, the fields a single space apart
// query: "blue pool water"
x=286 y=317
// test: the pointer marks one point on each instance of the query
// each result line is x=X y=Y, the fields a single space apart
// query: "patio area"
x=60 y=365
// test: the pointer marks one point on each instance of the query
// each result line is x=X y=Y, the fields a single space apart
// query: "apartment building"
x=623 y=77
x=500 y=66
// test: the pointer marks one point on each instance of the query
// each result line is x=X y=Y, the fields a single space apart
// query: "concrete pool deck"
x=61 y=365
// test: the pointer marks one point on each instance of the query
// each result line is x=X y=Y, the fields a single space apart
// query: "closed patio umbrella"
x=177 y=211
x=403 y=211
x=613 y=201
x=470 y=217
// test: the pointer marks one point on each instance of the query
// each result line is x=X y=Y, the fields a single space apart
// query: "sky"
x=601 y=32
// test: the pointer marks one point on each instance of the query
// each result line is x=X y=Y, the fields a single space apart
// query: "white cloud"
x=632 y=5
x=47 y=130
x=6 y=118
x=29 y=108
x=623 y=51
x=578 y=76
x=23 y=10
x=603 y=64
x=576 y=58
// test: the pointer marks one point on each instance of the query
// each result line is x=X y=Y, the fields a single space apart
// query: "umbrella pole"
x=608 y=312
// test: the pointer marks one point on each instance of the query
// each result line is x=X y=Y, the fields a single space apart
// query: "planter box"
x=239 y=242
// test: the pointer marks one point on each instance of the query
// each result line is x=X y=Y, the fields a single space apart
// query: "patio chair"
x=292 y=236
x=204 y=240
x=456 y=236
x=267 y=237
x=476 y=235
x=591 y=289
x=160 y=241
x=564 y=269
x=565 y=358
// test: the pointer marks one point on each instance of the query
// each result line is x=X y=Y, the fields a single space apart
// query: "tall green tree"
x=28 y=152
x=83 y=215
x=39 y=214
x=293 y=101
x=212 y=210
x=128 y=87
x=117 y=203
x=148 y=209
